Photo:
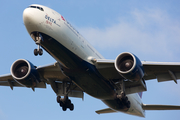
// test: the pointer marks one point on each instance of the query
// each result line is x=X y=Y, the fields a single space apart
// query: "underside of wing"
x=50 y=74
x=107 y=69
x=163 y=71
x=53 y=75
x=7 y=80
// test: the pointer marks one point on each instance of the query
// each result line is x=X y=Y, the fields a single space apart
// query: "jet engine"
x=129 y=66
x=25 y=73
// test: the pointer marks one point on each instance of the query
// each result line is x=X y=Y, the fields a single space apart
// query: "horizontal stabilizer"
x=160 y=107
x=107 y=110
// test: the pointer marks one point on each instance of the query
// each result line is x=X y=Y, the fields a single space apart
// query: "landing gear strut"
x=121 y=96
x=65 y=103
x=66 y=88
x=38 y=38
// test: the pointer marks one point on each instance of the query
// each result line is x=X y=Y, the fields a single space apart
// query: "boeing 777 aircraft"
x=82 y=69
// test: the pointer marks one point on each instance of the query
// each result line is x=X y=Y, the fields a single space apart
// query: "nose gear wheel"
x=38 y=52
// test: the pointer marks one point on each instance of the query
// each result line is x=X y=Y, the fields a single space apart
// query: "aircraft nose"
x=27 y=16
x=30 y=20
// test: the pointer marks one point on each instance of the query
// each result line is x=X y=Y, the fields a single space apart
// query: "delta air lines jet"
x=82 y=69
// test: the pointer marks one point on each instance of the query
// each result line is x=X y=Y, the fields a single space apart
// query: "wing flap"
x=160 y=107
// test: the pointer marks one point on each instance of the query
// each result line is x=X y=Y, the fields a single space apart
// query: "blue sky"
x=149 y=29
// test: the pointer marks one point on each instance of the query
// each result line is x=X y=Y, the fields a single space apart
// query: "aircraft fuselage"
x=74 y=55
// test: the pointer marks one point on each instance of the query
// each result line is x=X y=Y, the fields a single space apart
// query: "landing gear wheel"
x=35 y=52
x=65 y=103
x=68 y=102
x=125 y=99
x=40 y=52
x=128 y=104
x=64 y=108
x=61 y=104
x=71 y=107
x=58 y=99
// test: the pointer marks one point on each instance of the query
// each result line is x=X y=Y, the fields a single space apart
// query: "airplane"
x=80 y=68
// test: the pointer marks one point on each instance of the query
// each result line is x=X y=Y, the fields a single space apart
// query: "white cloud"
x=151 y=31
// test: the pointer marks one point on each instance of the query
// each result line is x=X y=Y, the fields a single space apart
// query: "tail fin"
x=160 y=107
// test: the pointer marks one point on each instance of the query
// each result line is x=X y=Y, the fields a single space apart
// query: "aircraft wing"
x=162 y=71
x=7 y=80
x=50 y=74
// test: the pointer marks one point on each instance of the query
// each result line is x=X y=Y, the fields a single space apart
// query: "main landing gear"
x=124 y=100
x=121 y=97
x=65 y=103
x=63 y=89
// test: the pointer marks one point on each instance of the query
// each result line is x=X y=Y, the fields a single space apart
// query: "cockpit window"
x=37 y=7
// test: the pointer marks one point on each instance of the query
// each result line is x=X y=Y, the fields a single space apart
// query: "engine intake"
x=129 y=66
x=25 y=73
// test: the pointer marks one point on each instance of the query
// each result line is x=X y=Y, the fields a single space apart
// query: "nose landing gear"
x=37 y=37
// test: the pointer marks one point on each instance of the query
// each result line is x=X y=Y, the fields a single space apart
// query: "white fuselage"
x=50 y=23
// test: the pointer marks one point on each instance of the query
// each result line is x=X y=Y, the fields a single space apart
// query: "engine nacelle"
x=129 y=66
x=25 y=73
